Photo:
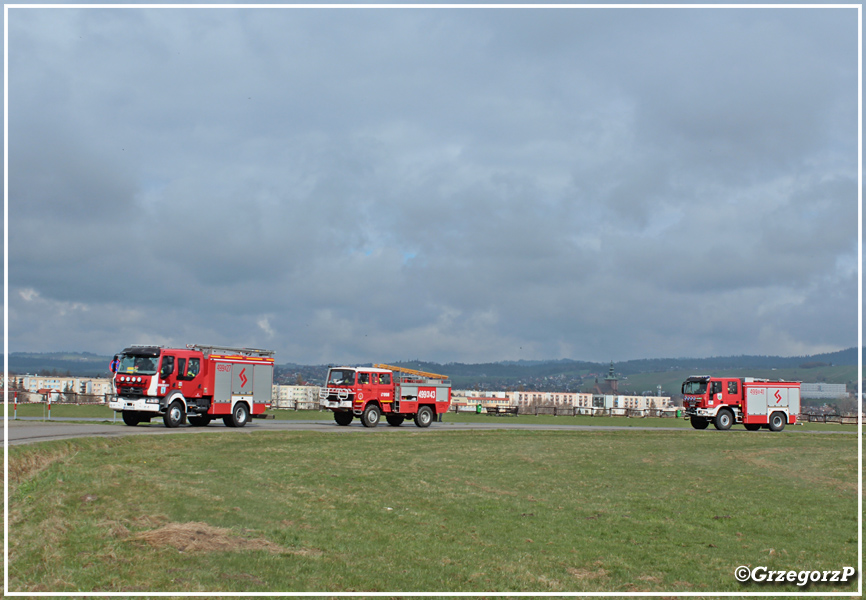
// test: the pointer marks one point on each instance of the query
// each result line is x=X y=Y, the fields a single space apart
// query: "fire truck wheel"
x=699 y=422
x=239 y=417
x=777 y=421
x=424 y=417
x=343 y=418
x=394 y=420
x=131 y=418
x=752 y=426
x=174 y=416
x=724 y=419
x=371 y=415
x=201 y=421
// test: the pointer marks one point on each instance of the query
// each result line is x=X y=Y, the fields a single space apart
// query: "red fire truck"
x=398 y=393
x=755 y=403
x=195 y=384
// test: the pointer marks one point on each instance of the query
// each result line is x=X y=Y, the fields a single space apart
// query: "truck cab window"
x=385 y=379
x=717 y=387
x=167 y=366
x=363 y=379
x=695 y=387
x=181 y=363
x=732 y=387
x=192 y=369
x=341 y=377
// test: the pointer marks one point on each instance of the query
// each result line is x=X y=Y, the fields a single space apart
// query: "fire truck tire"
x=724 y=419
x=131 y=418
x=175 y=415
x=371 y=415
x=343 y=418
x=777 y=421
x=200 y=421
x=752 y=426
x=239 y=417
x=424 y=417
x=699 y=422
x=394 y=420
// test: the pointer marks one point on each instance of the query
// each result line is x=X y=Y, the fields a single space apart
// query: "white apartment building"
x=72 y=386
x=295 y=396
x=823 y=390
x=570 y=399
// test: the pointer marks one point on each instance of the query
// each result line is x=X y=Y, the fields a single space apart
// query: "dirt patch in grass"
x=201 y=537
x=587 y=573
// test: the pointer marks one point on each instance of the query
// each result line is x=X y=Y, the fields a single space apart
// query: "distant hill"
x=636 y=376
x=78 y=364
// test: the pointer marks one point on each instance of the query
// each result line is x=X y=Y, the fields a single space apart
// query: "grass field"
x=103 y=412
x=408 y=510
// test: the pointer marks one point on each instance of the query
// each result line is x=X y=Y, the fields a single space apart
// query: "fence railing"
x=589 y=411
x=23 y=397
x=841 y=419
x=570 y=411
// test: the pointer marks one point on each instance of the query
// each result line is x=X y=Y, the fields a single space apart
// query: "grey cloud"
x=350 y=185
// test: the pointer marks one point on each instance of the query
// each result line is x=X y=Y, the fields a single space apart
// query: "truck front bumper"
x=120 y=403
x=336 y=404
x=707 y=413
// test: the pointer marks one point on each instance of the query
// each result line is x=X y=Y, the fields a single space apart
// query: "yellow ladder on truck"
x=411 y=372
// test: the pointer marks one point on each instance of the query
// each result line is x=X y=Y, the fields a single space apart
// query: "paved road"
x=30 y=430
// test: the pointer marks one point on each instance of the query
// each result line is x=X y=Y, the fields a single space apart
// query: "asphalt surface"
x=34 y=429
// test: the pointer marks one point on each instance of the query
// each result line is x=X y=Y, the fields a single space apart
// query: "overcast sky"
x=360 y=185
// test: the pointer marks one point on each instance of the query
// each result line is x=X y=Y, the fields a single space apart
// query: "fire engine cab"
x=755 y=403
x=194 y=384
x=396 y=392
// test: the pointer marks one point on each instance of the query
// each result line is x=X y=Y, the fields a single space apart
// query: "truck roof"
x=142 y=350
x=366 y=369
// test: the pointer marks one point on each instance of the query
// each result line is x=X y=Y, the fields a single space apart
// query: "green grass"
x=408 y=510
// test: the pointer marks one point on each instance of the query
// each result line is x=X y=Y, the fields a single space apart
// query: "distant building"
x=71 y=388
x=823 y=390
x=610 y=386
x=571 y=399
x=619 y=401
x=301 y=397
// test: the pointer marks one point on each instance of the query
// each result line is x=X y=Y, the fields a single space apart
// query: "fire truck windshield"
x=143 y=365
x=695 y=387
x=341 y=377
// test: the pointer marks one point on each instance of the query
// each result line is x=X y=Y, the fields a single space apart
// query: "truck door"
x=190 y=372
x=716 y=395
x=166 y=372
x=382 y=389
x=365 y=387
x=732 y=392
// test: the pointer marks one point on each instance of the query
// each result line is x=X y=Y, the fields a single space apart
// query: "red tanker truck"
x=725 y=401
x=194 y=384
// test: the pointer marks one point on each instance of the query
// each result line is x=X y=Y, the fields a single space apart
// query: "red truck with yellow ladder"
x=395 y=392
